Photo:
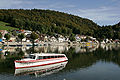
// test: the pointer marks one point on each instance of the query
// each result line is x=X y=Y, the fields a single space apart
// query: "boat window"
x=45 y=57
x=32 y=56
x=52 y=56
x=56 y=56
x=62 y=56
x=49 y=57
x=40 y=57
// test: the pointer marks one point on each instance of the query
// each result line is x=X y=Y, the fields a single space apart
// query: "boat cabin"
x=45 y=56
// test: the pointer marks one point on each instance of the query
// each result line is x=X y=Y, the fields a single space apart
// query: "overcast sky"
x=102 y=12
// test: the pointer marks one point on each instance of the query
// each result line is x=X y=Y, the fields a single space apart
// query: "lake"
x=85 y=63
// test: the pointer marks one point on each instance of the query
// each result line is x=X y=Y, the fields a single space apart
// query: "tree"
x=118 y=35
x=47 y=21
x=7 y=36
x=72 y=37
x=33 y=36
x=0 y=35
x=21 y=36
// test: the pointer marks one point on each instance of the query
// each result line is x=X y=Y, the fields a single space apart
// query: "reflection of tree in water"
x=43 y=49
x=108 y=56
x=79 y=60
x=76 y=60
x=83 y=60
x=7 y=64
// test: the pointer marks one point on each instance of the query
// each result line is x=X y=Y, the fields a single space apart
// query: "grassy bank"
x=6 y=26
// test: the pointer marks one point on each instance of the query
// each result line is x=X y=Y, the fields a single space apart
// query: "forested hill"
x=111 y=32
x=48 y=22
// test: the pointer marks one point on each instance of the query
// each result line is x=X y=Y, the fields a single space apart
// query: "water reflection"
x=57 y=49
x=109 y=47
x=42 y=70
x=80 y=57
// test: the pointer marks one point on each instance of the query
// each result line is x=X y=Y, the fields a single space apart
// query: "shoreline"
x=54 y=44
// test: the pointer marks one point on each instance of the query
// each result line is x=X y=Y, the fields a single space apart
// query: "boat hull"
x=19 y=65
x=40 y=69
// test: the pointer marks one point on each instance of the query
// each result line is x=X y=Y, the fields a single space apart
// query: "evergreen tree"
x=34 y=36
x=7 y=36
x=72 y=37
x=21 y=36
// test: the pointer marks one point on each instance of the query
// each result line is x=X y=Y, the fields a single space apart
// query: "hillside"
x=48 y=22
x=6 y=26
x=110 y=32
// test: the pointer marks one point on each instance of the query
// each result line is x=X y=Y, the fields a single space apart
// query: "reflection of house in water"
x=86 y=48
x=27 y=50
x=59 y=49
x=93 y=48
x=79 y=49
x=109 y=47
x=3 y=32
x=62 y=48
x=47 y=49
x=41 y=49
x=14 y=50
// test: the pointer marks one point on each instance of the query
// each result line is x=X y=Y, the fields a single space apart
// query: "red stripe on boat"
x=40 y=65
x=38 y=60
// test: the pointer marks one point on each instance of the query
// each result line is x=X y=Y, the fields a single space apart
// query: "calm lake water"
x=85 y=63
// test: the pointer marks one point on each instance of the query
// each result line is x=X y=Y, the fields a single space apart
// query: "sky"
x=102 y=12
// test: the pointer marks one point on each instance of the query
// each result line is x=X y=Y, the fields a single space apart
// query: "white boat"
x=41 y=70
x=40 y=59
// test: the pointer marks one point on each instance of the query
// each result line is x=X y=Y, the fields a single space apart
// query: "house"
x=24 y=39
x=67 y=38
x=19 y=31
x=43 y=37
x=12 y=39
x=78 y=38
x=92 y=38
x=3 y=32
x=117 y=41
x=27 y=32
x=61 y=39
x=83 y=37
x=52 y=39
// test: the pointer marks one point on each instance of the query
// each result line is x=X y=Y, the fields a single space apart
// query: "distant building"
x=27 y=32
x=78 y=38
x=12 y=39
x=53 y=39
x=3 y=32
x=61 y=39
x=43 y=37
x=67 y=38
x=83 y=37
